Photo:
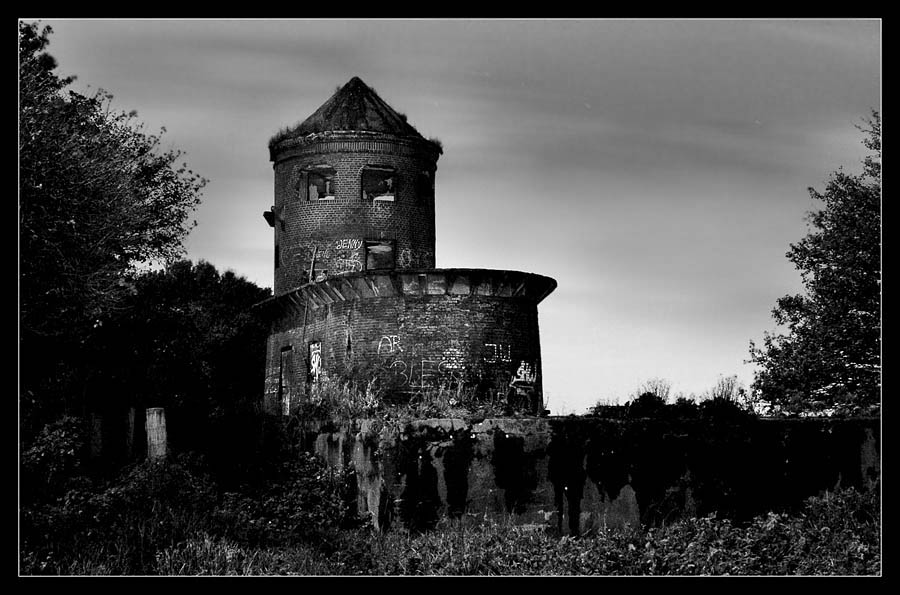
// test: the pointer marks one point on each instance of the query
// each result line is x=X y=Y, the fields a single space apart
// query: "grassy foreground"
x=836 y=534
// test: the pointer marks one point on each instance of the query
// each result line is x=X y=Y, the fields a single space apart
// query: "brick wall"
x=488 y=343
x=336 y=229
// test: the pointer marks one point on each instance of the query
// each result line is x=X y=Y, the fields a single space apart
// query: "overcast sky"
x=656 y=169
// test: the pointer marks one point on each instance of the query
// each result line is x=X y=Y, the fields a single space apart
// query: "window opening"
x=379 y=183
x=320 y=183
x=379 y=255
x=424 y=186
x=285 y=377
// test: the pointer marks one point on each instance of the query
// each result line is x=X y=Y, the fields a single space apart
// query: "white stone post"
x=156 y=433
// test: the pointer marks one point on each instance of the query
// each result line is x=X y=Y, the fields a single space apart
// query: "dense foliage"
x=188 y=340
x=829 y=358
x=836 y=534
x=298 y=517
x=97 y=198
x=86 y=525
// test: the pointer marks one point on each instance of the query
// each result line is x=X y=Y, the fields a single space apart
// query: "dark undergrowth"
x=298 y=517
x=837 y=534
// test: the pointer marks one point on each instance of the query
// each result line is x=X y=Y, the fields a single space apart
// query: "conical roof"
x=354 y=107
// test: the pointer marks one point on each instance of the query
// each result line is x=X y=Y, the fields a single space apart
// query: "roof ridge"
x=353 y=107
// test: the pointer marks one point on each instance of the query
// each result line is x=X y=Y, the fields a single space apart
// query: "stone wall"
x=578 y=473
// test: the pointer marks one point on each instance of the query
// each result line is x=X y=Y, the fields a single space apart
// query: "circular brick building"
x=356 y=292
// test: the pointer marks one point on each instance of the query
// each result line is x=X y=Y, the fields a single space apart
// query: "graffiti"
x=389 y=344
x=525 y=375
x=522 y=395
x=407 y=258
x=315 y=361
x=304 y=255
x=348 y=244
x=398 y=369
x=421 y=373
x=350 y=264
x=497 y=352
x=346 y=255
x=428 y=372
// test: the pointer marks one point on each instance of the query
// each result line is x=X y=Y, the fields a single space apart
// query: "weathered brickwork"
x=336 y=229
x=357 y=295
x=457 y=329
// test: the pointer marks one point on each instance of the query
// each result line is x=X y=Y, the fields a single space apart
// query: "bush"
x=299 y=502
x=837 y=534
x=646 y=405
x=117 y=530
x=53 y=461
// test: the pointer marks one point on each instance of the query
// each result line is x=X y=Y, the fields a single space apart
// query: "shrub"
x=837 y=534
x=53 y=461
x=118 y=529
x=646 y=405
x=344 y=400
x=300 y=500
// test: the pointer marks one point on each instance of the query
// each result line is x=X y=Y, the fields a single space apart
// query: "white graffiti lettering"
x=430 y=373
x=495 y=352
x=389 y=344
x=404 y=259
x=347 y=244
x=524 y=375
x=351 y=263
x=315 y=361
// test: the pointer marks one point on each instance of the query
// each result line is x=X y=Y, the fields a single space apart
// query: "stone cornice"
x=415 y=283
x=352 y=142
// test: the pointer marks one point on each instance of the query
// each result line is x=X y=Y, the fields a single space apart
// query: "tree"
x=646 y=405
x=728 y=388
x=660 y=387
x=187 y=336
x=97 y=199
x=829 y=360
x=188 y=340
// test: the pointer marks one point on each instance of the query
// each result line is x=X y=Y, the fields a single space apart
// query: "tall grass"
x=345 y=400
x=838 y=534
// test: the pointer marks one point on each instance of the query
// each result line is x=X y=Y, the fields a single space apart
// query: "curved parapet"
x=414 y=330
x=415 y=283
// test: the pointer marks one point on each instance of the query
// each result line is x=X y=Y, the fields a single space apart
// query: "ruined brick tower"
x=356 y=292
